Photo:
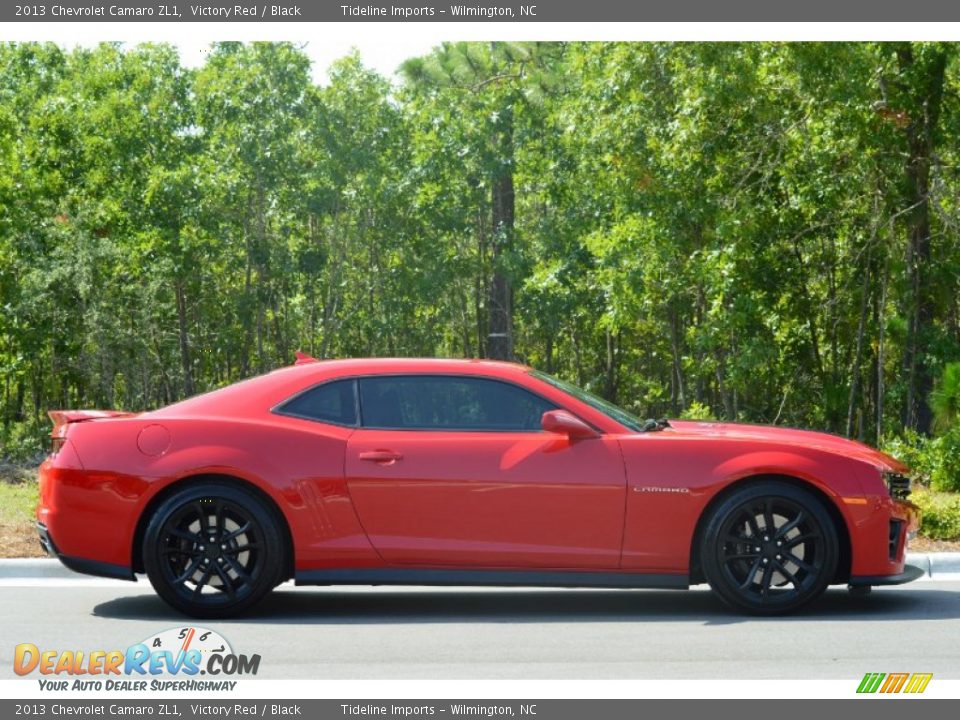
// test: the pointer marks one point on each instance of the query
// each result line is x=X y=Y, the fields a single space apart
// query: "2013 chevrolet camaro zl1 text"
x=459 y=472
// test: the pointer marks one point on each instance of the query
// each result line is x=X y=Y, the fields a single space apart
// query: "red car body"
x=371 y=505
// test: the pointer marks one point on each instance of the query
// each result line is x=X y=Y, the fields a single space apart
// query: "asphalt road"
x=369 y=633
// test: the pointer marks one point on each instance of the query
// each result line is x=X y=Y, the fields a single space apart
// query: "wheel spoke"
x=185 y=535
x=242 y=548
x=805 y=566
x=204 y=579
x=788 y=526
x=766 y=581
x=752 y=523
x=799 y=539
x=768 y=525
x=238 y=532
x=238 y=569
x=753 y=571
x=741 y=556
x=188 y=573
x=219 y=518
x=782 y=569
x=227 y=584
x=204 y=519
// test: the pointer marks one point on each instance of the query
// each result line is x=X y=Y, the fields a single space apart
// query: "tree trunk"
x=858 y=352
x=920 y=133
x=500 y=296
x=679 y=397
x=184 y=341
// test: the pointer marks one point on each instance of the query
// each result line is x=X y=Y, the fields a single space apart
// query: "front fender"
x=672 y=480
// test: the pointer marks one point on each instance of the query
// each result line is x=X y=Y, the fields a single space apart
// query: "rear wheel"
x=213 y=550
x=769 y=548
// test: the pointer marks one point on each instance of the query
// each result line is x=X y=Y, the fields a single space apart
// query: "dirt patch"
x=19 y=541
x=922 y=544
x=18 y=499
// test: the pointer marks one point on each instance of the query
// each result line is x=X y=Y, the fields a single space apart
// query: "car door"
x=455 y=470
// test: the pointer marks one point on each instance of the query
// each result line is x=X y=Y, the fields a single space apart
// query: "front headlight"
x=898 y=485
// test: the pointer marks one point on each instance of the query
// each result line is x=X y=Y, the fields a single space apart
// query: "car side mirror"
x=560 y=421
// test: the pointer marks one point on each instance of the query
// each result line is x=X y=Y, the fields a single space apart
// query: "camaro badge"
x=653 y=489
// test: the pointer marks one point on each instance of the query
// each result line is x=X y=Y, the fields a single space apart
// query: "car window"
x=436 y=402
x=333 y=402
x=597 y=403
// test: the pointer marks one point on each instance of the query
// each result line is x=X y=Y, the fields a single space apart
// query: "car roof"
x=363 y=365
x=264 y=391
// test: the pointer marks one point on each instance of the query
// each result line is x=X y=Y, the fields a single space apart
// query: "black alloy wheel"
x=770 y=548
x=213 y=550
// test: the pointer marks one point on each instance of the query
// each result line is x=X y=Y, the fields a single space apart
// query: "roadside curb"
x=34 y=568
x=936 y=566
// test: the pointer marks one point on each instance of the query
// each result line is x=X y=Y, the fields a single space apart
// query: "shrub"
x=934 y=461
x=945 y=398
x=941 y=514
x=697 y=411
x=24 y=442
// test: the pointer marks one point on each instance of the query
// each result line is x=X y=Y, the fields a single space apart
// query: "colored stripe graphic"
x=918 y=682
x=894 y=683
x=870 y=682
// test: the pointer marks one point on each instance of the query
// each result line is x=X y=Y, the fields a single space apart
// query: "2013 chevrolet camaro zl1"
x=458 y=472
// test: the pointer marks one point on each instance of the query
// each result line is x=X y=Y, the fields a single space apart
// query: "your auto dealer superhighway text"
x=174 y=10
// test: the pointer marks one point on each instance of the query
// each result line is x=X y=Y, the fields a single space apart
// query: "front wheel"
x=769 y=548
x=213 y=550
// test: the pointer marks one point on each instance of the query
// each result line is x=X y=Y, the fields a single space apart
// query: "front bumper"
x=909 y=574
x=82 y=565
x=880 y=530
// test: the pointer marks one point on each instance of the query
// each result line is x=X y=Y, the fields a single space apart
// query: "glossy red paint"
x=368 y=498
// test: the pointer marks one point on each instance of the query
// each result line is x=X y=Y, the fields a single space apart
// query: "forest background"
x=751 y=232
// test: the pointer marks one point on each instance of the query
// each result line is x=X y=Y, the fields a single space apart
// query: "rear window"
x=334 y=402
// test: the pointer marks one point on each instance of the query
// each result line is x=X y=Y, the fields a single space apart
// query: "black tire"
x=769 y=548
x=218 y=579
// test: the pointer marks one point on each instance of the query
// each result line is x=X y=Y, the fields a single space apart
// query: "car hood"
x=788 y=436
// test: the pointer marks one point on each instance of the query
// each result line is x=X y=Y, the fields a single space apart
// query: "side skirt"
x=524 y=578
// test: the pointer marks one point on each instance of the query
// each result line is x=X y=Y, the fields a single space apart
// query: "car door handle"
x=381 y=456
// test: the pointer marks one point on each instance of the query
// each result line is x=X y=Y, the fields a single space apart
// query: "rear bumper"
x=83 y=565
x=87 y=518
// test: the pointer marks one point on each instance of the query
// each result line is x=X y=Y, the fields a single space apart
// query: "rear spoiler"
x=304 y=359
x=62 y=418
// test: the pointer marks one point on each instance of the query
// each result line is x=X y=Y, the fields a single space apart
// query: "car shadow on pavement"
x=389 y=606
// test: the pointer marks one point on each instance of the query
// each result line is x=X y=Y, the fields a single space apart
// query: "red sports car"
x=460 y=472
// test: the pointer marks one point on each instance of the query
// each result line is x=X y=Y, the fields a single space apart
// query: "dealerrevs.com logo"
x=898 y=682
x=153 y=664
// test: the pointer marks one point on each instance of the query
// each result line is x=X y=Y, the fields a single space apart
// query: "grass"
x=18 y=500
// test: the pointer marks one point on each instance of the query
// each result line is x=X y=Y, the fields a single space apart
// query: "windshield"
x=607 y=408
